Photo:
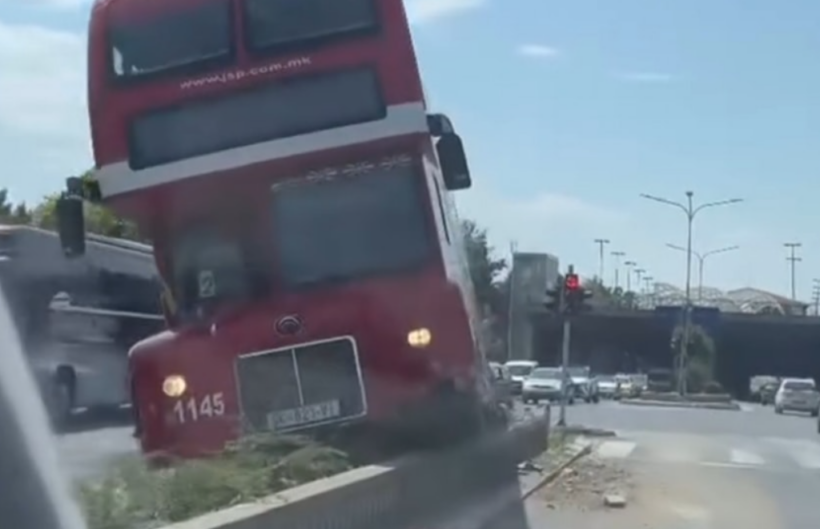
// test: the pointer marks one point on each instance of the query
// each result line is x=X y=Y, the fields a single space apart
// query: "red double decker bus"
x=280 y=157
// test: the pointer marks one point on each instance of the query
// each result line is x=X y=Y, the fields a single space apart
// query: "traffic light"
x=555 y=301
x=575 y=295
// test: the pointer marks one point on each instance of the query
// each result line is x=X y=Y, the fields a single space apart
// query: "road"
x=699 y=469
x=93 y=444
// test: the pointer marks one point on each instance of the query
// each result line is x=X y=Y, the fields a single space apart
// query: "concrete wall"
x=531 y=275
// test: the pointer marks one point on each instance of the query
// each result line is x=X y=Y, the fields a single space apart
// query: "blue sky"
x=568 y=110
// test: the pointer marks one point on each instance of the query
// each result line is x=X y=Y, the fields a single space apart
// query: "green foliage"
x=701 y=355
x=610 y=297
x=484 y=267
x=12 y=213
x=134 y=496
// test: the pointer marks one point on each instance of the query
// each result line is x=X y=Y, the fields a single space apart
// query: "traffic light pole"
x=565 y=388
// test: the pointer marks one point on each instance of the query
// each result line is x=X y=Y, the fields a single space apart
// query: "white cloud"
x=645 y=77
x=421 y=11
x=539 y=222
x=43 y=118
x=538 y=51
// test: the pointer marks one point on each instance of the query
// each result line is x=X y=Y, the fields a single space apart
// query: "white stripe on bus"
x=407 y=118
x=106 y=312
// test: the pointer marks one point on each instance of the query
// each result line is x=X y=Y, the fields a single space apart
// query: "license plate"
x=322 y=411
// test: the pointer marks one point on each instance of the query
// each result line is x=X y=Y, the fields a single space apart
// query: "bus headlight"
x=174 y=385
x=419 y=338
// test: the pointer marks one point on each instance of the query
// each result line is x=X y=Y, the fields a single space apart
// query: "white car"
x=520 y=370
x=797 y=394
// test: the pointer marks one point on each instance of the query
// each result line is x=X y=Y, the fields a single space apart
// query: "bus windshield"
x=341 y=227
x=182 y=38
x=208 y=270
x=274 y=23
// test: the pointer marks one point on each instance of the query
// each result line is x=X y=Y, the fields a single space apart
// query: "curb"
x=733 y=406
x=556 y=472
x=584 y=431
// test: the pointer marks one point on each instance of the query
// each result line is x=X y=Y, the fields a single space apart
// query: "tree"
x=610 y=297
x=12 y=213
x=98 y=219
x=701 y=354
x=484 y=268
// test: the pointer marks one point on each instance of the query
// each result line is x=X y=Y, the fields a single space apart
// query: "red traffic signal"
x=571 y=282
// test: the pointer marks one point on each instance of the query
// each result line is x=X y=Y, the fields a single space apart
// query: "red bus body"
x=265 y=165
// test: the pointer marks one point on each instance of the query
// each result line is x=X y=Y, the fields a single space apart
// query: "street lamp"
x=793 y=260
x=629 y=265
x=690 y=210
x=618 y=256
x=701 y=258
x=601 y=243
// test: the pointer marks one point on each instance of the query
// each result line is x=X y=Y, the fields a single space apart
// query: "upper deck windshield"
x=276 y=23
x=184 y=37
x=340 y=227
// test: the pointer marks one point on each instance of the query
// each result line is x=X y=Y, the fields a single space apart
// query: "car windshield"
x=518 y=370
x=798 y=385
x=608 y=379
x=578 y=372
x=186 y=37
x=545 y=373
x=361 y=221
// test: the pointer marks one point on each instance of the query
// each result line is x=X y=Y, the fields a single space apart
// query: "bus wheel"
x=61 y=399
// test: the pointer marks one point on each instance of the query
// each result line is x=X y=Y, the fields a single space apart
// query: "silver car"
x=546 y=383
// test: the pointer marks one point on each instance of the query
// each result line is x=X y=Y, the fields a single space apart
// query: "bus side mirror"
x=453 y=163
x=71 y=224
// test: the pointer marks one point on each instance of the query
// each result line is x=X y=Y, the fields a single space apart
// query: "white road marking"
x=615 y=449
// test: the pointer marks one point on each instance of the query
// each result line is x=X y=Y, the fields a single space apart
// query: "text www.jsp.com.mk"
x=238 y=75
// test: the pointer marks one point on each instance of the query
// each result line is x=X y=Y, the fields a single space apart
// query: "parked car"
x=519 y=370
x=797 y=394
x=627 y=387
x=546 y=383
x=583 y=385
x=767 y=392
x=607 y=386
x=503 y=383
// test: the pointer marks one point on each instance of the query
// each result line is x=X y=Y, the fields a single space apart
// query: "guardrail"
x=465 y=488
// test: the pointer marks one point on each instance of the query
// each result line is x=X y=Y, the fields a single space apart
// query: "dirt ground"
x=583 y=486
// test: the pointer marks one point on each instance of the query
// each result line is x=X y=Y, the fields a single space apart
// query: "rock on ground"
x=584 y=486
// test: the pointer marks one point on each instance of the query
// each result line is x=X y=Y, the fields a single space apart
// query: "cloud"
x=421 y=11
x=645 y=77
x=43 y=118
x=538 y=51
x=537 y=222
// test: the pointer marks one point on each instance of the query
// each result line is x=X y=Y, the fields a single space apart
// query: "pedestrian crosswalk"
x=773 y=453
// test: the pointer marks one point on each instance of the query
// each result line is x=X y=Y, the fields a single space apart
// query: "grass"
x=135 y=497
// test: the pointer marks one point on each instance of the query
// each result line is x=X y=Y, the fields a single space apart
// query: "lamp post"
x=618 y=256
x=629 y=265
x=601 y=243
x=690 y=210
x=793 y=260
x=701 y=257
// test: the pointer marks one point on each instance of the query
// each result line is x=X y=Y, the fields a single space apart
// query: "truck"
x=299 y=198
x=76 y=319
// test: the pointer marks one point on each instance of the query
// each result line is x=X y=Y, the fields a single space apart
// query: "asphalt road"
x=700 y=469
x=93 y=444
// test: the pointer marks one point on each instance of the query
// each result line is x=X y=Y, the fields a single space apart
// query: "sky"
x=568 y=111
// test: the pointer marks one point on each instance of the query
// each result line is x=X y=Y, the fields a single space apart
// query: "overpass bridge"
x=755 y=332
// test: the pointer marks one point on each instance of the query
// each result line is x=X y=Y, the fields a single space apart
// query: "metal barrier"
x=472 y=487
